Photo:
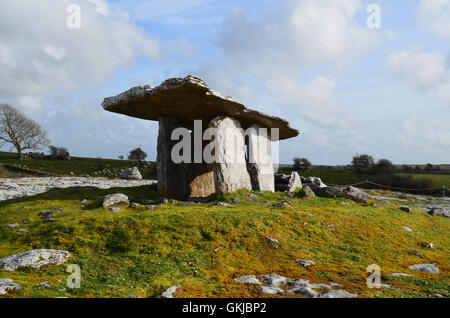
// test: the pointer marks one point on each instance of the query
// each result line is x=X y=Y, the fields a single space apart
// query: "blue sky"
x=347 y=88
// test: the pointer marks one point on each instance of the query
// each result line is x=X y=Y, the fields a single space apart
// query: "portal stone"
x=260 y=164
x=173 y=179
x=230 y=167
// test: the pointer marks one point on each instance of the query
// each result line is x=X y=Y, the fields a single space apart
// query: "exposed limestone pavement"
x=33 y=259
x=304 y=287
x=7 y=285
x=23 y=187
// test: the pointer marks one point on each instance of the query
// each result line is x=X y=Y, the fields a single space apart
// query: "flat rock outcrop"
x=34 y=259
x=10 y=188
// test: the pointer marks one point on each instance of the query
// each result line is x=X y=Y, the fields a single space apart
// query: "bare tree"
x=23 y=133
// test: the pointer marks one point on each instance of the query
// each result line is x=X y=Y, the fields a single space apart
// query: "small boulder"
x=439 y=212
x=117 y=198
x=354 y=194
x=252 y=197
x=248 y=279
x=272 y=240
x=406 y=209
x=223 y=204
x=66 y=230
x=315 y=182
x=425 y=268
x=407 y=228
x=8 y=285
x=305 y=263
x=131 y=174
x=170 y=291
x=308 y=193
x=295 y=182
x=45 y=285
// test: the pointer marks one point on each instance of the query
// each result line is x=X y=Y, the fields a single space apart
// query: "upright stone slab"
x=260 y=164
x=173 y=179
x=230 y=168
x=202 y=181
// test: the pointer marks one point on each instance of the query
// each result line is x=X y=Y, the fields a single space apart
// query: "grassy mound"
x=203 y=247
x=77 y=165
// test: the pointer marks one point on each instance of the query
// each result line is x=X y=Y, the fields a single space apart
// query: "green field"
x=344 y=177
x=202 y=248
x=439 y=180
x=79 y=166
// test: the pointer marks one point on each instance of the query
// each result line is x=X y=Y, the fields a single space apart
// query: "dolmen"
x=207 y=143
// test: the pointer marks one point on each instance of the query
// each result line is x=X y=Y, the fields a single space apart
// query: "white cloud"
x=424 y=70
x=279 y=48
x=435 y=14
x=305 y=32
x=39 y=55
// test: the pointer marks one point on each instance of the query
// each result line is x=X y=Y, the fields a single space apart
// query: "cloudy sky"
x=348 y=88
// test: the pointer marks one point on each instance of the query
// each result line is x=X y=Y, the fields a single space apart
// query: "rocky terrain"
x=23 y=187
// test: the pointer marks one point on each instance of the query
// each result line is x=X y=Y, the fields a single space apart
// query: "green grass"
x=334 y=177
x=77 y=165
x=144 y=252
x=346 y=177
x=439 y=180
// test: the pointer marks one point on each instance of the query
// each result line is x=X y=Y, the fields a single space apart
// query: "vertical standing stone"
x=173 y=179
x=260 y=164
x=230 y=168
x=202 y=182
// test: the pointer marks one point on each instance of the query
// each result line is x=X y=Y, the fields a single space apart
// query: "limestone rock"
x=270 y=290
x=117 y=198
x=260 y=164
x=308 y=192
x=305 y=263
x=131 y=174
x=315 y=182
x=8 y=285
x=336 y=293
x=406 y=209
x=439 y=212
x=407 y=228
x=34 y=259
x=170 y=291
x=230 y=171
x=425 y=268
x=248 y=279
x=173 y=179
x=399 y=275
x=295 y=183
x=327 y=192
x=354 y=194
